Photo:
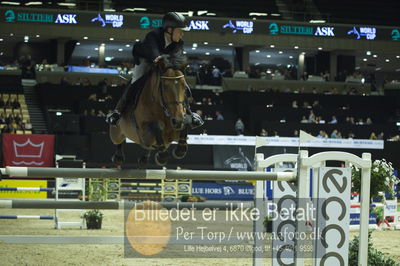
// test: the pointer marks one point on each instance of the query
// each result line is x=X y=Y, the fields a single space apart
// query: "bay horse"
x=160 y=116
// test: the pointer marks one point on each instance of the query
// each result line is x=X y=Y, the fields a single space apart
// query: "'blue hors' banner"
x=213 y=191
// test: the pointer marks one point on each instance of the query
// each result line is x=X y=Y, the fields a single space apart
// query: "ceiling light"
x=377 y=69
x=211 y=14
x=111 y=39
x=368 y=52
x=109 y=9
x=135 y=9
x=193 y=48
x=120 y=49
x=375 y=55
x=9 y=3
x=365 y=59
x=296 y=47
x=257 y=63
x=320 y=48
x=317 y=21
x=88 y=57
x=33 y=3
x=291 y=57
x=128 y=45
x=66 y=4
x=1 y=53
x=11 y=34
x=205 y=43
x=397 y=56
x=85 y=38
x=257 y=51
x=257 y=14
x=217 y=49
x=387 y=60
x=275 y=15
x=272 y=46
x=268 y=56
x=78 y=43
x=102 y=44
x=230 y=44
x=201 y=12
x=108 y=58
x=207 y=53
x=184 y=52
x=97 y=48
x=280 y=52
x=137 y=40
x=194 y=45
x=1 y=40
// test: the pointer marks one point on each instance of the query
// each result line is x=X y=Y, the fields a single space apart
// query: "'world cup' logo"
x=9 y=16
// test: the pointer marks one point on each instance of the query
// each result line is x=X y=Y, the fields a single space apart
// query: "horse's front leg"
x=161 y=156
x=118 y=158
x=180 y=150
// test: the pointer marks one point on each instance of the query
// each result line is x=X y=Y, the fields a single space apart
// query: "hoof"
x=143 y=161
x=118 y=159
x=179 y=152
x=161 y=159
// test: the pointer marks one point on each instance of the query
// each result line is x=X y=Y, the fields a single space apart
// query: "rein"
x=163 y=103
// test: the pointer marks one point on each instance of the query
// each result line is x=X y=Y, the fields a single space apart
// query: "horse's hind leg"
x=180 y=150
x=117 y=138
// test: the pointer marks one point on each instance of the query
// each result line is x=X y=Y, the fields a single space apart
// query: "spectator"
x=8 y=103
x=368 y=121
x=351 y=135
x=373 y=136
x=304 y=120
x=306 y=105
x=200 y=113
x=9 y=119
x=294 y=104
x=15 y=104
x=2 y=118
x=296 y=133
x=322 y=134
x=92 y=113
x=311 y=117
x=216 y=74
x=27 y=125
x=381 y=136
x=334 y=120
x=316 y=105
x=2 y=103
x=263 y=133
x=209 y=101
x=7 y=129
x=17 y=119
x=218 y=116
x=334 y=134
x=239 y=127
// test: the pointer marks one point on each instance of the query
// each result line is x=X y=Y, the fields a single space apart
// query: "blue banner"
x=355 y=218
x=213 y=191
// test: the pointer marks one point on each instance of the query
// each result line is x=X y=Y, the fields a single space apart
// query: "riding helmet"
x=175 y=20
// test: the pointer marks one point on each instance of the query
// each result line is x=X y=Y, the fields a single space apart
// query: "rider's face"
x=177 y=35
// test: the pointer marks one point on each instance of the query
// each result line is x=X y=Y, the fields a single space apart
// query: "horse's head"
x=172 y=91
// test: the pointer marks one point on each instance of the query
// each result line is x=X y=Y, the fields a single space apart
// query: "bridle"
x=163 y=103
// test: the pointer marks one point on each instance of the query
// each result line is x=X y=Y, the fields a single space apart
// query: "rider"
x=161 y=41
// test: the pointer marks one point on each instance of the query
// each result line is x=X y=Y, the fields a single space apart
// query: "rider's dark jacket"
x=153 y=45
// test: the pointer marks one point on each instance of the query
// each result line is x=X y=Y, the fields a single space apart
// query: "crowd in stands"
x=10 y=117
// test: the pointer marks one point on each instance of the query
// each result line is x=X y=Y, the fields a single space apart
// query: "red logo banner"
x=28 y=150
